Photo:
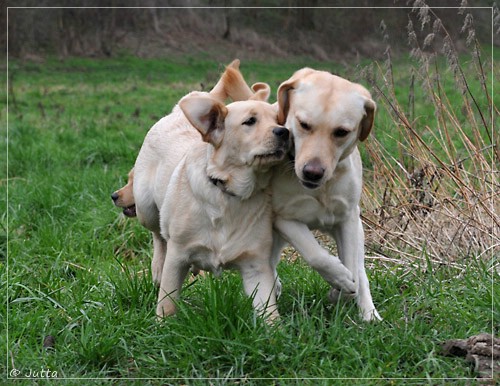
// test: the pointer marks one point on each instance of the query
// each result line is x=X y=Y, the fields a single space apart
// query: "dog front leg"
x=259 y=281
x=159 y=252
x=349 y=236
x=328 y=266
x=174 y=272
x=350 y=244
x=364 y=299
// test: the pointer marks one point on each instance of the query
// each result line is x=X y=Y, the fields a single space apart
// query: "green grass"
x=79 y=272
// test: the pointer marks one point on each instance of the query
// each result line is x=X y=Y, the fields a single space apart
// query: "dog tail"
x=232 y=84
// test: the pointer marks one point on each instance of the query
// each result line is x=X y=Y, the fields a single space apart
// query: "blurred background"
x=198 y=26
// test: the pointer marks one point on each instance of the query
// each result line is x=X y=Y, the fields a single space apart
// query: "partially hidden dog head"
x=327 y=116
x=245 y=137
x=124 y=197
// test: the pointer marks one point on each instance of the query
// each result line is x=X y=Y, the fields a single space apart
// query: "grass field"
x=79 y=272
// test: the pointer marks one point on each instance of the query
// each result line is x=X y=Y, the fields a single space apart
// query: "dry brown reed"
x=437 y=198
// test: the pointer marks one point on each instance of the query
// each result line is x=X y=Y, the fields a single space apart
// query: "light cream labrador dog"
x=216 y=213
x=165 y=145
x=328 y=116
x=206 y=198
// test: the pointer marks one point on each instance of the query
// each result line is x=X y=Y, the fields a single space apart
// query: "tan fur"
x=327 y=116
x=194 y=196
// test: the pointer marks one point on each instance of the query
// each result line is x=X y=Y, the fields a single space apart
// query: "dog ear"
x=284 y=92
x=234 y=64
x=284 y=100
x=367 y=121
x=207 y=115
x=231 y=84
x=262 y=92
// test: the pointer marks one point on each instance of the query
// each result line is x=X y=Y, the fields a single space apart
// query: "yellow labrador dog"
x=156 y=161
x=327 y=116
x=206 y=197
x=217 y=209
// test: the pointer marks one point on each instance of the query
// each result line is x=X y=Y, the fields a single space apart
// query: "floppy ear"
x=284 y=100
x=367 y=121
x=284 y=92
x=207 y=115
x=262 y=92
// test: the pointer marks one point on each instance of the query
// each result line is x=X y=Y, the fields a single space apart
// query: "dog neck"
x=232 y=180
x=221 y=184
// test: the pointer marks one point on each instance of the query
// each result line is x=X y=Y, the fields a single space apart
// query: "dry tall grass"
x=438 y=198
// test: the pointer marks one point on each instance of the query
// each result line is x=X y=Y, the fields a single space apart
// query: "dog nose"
x=115 y=196
x=281 y=132
x=313 y=171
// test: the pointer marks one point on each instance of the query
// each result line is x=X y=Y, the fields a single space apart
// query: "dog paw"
x=371 y=316
x=165 y=309
x=344 y=280
x=334 y=295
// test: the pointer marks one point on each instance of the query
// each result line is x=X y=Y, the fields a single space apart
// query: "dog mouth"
x=130 y=211
x=310 y=185
x=266 y=158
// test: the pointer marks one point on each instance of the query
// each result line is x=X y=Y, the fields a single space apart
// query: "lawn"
x=76 y=273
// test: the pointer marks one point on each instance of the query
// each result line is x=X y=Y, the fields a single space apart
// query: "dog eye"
x=340 y=133
x=250 y=121
x=305 y=126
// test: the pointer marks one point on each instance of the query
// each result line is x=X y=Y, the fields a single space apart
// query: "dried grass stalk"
x=437 y=199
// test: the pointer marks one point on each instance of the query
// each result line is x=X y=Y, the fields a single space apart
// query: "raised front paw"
x=343 y=280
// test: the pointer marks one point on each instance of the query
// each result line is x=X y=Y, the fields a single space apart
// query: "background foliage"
x=297 y=28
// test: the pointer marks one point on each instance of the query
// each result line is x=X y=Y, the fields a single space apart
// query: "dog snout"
x=115 y=196
x=281 y=132
x=313 y=171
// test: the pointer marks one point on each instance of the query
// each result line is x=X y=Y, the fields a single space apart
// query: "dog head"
x=327 y=116
x=124 y=197
x=245 y=138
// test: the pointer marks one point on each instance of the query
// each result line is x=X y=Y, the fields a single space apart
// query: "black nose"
x=115 y=196
x=281 y=132
x=313 y=171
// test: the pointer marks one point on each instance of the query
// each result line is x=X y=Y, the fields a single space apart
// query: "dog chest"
x=217 y=237
x=220 y=250
x=316 y=212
